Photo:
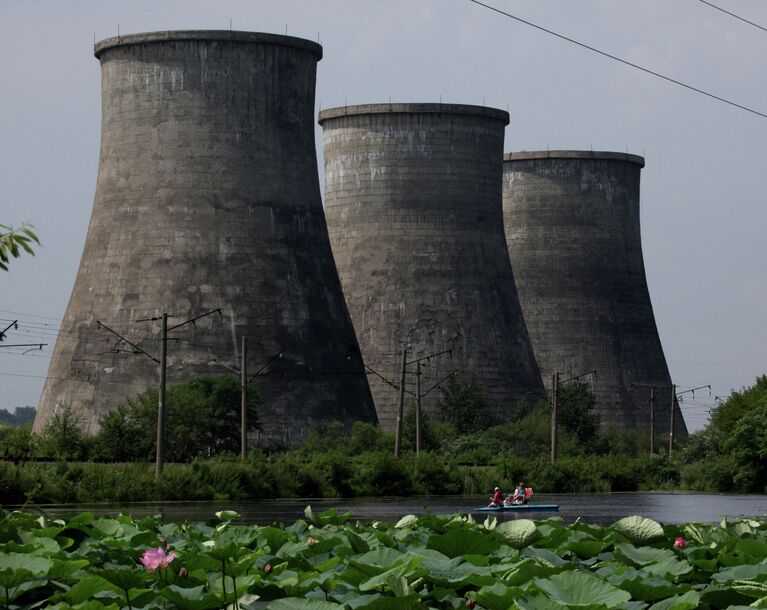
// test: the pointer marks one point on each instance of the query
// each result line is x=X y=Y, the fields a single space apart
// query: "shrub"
x=380 y=473
x=202 y=420
x=17 y=443
x=62 y=437
x=433 y=475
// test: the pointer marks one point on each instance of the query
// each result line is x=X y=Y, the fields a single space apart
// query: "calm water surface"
x=593 y=508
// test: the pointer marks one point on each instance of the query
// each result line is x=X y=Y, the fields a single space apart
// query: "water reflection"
x=602 y=509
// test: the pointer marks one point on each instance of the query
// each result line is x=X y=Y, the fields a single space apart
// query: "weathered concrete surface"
x=208 y=197
x=572 y=226
x=413 y=202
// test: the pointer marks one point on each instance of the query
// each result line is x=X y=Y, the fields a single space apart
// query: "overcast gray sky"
x=704 y=214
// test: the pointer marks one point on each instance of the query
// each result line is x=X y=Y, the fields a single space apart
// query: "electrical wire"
x=618 y=59
x=719 y=8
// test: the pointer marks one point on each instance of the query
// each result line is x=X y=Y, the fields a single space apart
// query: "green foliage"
x=62 y=437
x=14 y=241
x=326 y=562
x=747 y=444
x=203 y=420
x=726 y=416
x=16 y=443
x=464 y=404
x=333 y=435
x=430 y=440
x=575 y=411
x=730 y=454
x=22 y=416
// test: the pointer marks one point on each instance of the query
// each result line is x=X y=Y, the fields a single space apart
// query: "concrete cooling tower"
x=572 y=226
x=208 y=198
x=413 y=203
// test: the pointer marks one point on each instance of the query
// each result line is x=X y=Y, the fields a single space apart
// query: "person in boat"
x=519 y=494
x=497 y=498
x=509 y=500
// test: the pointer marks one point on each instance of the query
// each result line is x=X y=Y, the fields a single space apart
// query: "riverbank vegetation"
x=325 y=562
x=729 y=455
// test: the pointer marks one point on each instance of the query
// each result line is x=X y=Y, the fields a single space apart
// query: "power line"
x=18 y=313
x=719 y=8
x=618 y=59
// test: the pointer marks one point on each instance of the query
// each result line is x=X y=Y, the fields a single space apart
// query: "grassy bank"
x=323 y=475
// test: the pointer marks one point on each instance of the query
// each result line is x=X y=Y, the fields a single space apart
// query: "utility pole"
x=671 y=424
x=554 y=397
x=400 y=408
x=163 y=362
x=160 y=453
x=652 y=422
x=244 y=399
x=418 y=409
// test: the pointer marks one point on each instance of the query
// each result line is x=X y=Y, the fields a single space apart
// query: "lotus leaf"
x=497 y=596
x=407 y=521
x=227 y=515
x=301 y=603
x=519 y=533
x=457 y=542
x=686 y=601
x=381 y=602
x=578 y=589
x=644 y=555
x=544 y=557
x=380 y=558
x=639 y=530
x=742 y=572
x=33 y=564
x=194 y=598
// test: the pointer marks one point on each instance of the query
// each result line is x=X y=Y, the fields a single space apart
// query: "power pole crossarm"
x=133 y=345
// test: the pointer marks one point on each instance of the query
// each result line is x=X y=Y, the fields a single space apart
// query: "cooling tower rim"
x=597 y=155
x=413 y=108
x=209 y=35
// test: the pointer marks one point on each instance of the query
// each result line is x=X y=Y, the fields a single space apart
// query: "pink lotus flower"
x=156 y=558
x=680 y=543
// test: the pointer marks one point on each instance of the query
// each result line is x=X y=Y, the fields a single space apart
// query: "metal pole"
x=671 y=425
x=160 y=456
x=554 y=398
x=652 y=422
x=244 y=400
x=418 y=410
x=398 y=431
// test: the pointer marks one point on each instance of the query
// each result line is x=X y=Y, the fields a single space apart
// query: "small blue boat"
x=522 y=508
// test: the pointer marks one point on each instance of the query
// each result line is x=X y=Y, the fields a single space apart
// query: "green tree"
x=464 y=404
x=725 y=417
x=575 y=411
x=14 y=241
x=203 y=420
x=429 y=438
x=731 y=451
x=21 y=416
x=747 y=443
x=16 y=443
x=62 y=436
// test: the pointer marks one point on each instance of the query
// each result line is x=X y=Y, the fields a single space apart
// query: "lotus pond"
x=326 y=561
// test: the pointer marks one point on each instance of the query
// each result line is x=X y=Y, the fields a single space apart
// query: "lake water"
x=602 y=509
